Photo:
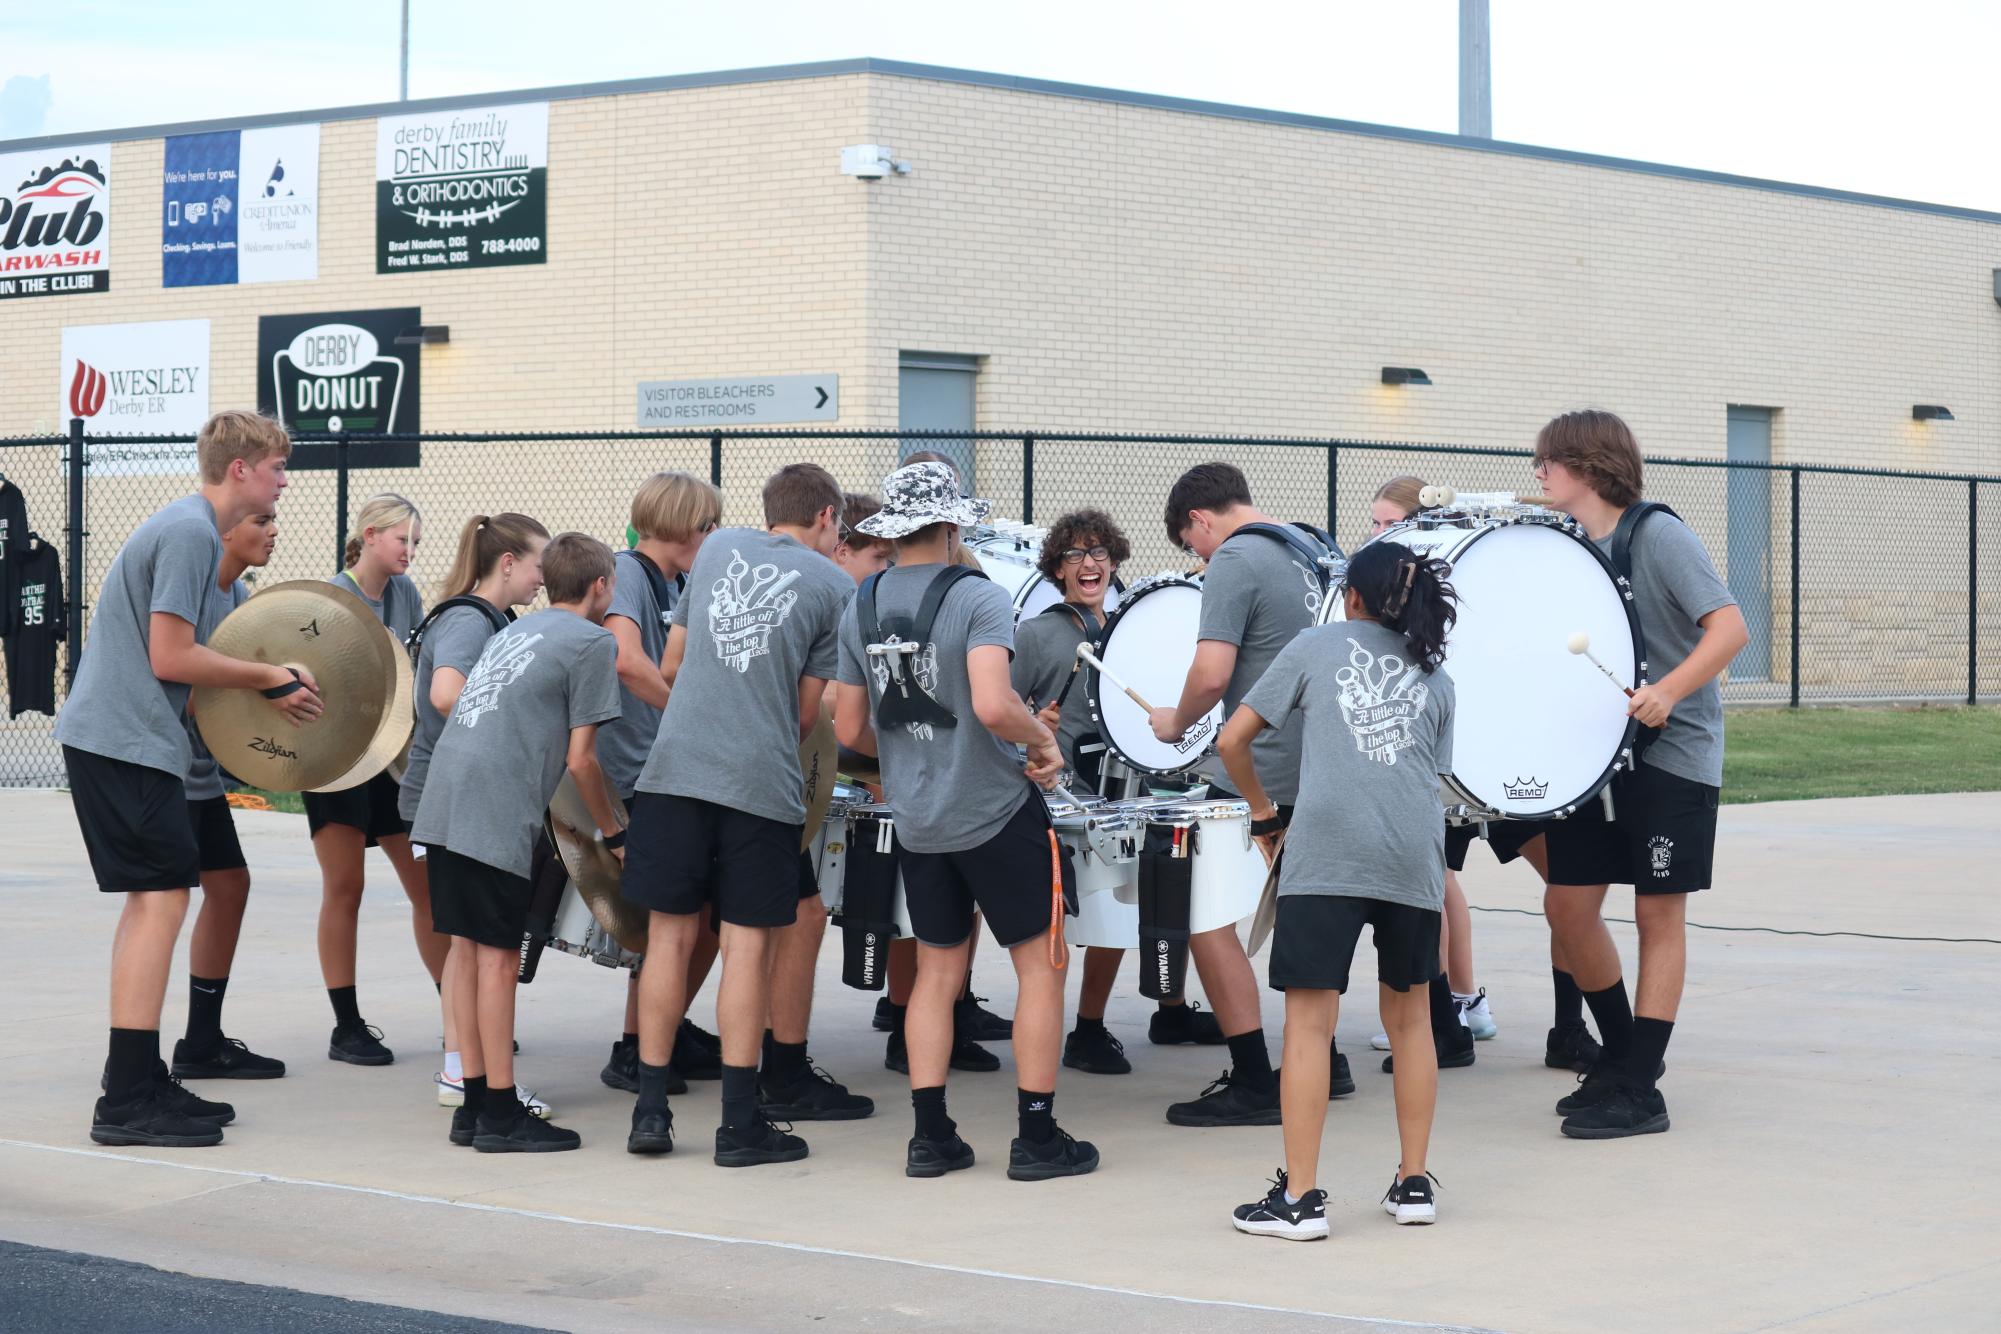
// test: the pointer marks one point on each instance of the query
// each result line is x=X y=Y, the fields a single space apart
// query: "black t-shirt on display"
x=37 y=616
x=13 y=542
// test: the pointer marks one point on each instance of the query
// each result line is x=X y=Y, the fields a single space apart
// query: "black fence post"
x=1796 y=587
x=1972 y=591
x=340 y=502
x=1028 y=479
x=716 y=460
x=73 y=603
x=1333 y=485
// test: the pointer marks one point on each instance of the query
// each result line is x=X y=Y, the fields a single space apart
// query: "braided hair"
x=1406 y=591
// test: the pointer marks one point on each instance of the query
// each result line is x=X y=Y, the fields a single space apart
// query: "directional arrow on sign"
x=823 y=397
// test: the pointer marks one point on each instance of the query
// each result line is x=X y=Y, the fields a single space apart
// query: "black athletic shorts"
x=215 y=834
x=134 y=822
x=682 y=853
x=369 y=807
x=1662 y=839
x=1006 y=878
x=1314 y=936
x=481 y=903
x=809 y=877
x=1505 y=838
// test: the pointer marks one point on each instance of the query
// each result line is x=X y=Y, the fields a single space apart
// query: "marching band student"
x=720 y=808
x=126 y=751
x=971 y=832
x=529 y=710
x=205 y=1053
x=1256 y=596
x=1366 y=848
x=1081 y=554
x=497 y=567
x=346 y=824
x=1661 y=836
x=672 y=512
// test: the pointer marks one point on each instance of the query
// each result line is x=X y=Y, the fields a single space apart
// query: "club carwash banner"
x=137 y=379
x=465 y=189
x=241 y=207
x=55 y=221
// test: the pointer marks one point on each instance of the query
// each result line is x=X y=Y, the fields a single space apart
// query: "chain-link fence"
x=1856 y=584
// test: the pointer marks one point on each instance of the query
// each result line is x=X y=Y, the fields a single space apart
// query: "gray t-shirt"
x=1674 y=587
x=204 y=779
x=455 y=640
x=117 y=707
x=761 y=611
x=1258 y=594
x=1377 y=733
x=626 y=741
x=1045 y=654
x=503 y=750
x=950 y=788
x=401 y=606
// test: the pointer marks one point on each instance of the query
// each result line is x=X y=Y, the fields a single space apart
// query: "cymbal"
x=592 y=867
x=365 y=684
x=816 y=764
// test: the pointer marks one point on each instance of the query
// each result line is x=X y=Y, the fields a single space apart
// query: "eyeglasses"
x=1075 y=555
x=846 y=532
x=710 y=526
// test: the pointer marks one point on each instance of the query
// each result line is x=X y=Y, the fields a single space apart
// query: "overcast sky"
x=1891 y=99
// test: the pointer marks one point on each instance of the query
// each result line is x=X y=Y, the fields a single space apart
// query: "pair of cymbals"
x=592 y=867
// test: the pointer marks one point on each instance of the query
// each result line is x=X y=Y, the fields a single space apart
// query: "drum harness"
x=495 y=617
x=665 y=591
x=1621 y=556
x=1293 y=536
x=904 y=699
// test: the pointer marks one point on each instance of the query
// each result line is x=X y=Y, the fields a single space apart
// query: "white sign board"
x=137 y=379
x=763 y=400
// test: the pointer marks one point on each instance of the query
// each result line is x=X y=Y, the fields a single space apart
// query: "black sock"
x=1569 y=1000
x=932 y=1123
x=1037 y=1114
x=1444 y=1010
x=783 y=1061
x=739 y=1097
x=475 y=1093
x=1088 y=1025
x=628 y=1040
x=205 y=1012
x=1649 y=1045
x=652 y=1086
x=501 y=1107
x=347 y=1010
x=1250 y=1063
x=1614 y=1014
x=128 y=1069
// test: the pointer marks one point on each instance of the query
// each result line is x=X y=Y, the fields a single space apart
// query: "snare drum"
x=1103 y=840
x=1008 y=553
x=1149 y=644
x=1228 y=871
x=1534 y=735
x=576 y=931
x=874 y=822
x=830 y=844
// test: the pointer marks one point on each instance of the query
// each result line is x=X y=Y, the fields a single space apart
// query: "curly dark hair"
x=1072 y=530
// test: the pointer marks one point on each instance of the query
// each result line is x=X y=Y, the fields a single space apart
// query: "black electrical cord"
x=1780 y=931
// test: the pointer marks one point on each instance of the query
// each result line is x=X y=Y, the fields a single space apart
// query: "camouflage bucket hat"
x=919 y=494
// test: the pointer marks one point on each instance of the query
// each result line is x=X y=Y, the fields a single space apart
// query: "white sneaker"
x=534 y=1105
x=1380 y=1042
x=1473 y=1013
x=451 y=1092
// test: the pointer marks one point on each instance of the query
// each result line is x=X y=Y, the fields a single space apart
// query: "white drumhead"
x=1150 y=645
x=1537 y=727
x=1011 y=564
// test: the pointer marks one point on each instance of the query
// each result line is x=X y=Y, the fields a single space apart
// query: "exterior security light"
x=1930 y=412
x=871 y=162
x=418 y=334
x=1404 y=375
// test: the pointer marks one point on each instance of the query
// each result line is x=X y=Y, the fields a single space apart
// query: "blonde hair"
x=674 y=506
x=238 y=434
x=377 y=512
x=482 y=542
x=1403 y=493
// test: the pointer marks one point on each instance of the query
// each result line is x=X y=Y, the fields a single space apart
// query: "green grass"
x=289 y=802
x=1794 y=754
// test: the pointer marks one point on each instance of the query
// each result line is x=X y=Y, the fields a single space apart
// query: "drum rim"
x=1138 y=594
x=1475 y=530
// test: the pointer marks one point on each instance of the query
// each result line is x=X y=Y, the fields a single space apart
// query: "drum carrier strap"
x=1083 y=619
x=1621 y=554
x=906 y=636
x=1293 y=535
x=665 y=592
x=495 y=617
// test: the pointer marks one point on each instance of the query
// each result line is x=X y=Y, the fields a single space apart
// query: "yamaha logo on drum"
x=1526 y=789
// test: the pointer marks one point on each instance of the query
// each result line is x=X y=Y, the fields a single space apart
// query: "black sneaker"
x=1172 y=1025
x=885 y=1016
x=465 y=1125
x=1095 y=1053
x=1410 y=1201
x=359 y=1046
x=936 y=1157
x=1340 y=1079
x=524 y=1134
x=187 y=1102
x=811 y=1095
x=652 y=1131
x=1597 y=1084
x=974 y=1022
x=150 y=1121
x=1273 y=1217
x=1058 y=1156
x=1227 y=1103
x=1571 y=1048
x=761 y=1143
x=1624 y=1111
x=1455 y=1050
x=228 y=1059
x=966 y=1055
x=693 y=1057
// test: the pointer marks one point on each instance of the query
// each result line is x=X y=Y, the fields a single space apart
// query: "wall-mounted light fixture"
x=1930 y=412
x=419 y=334
x=871 y=162
x=1404 y=375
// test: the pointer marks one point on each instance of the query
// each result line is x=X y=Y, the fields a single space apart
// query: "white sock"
x=453 y=1068
x=1290 y=1198
x=1467 y=999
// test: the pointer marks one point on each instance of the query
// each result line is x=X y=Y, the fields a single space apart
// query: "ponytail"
x=482 y=542
x=1409 y=593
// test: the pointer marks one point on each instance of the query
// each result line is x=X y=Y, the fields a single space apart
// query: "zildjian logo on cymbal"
x=265 y=745
x=311 y=629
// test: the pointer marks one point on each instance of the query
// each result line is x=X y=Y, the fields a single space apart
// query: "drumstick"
x=1580 y=643
x=1084 y=652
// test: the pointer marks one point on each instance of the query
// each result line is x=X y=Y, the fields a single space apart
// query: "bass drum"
x=1149 y=644
x=1537 y=730
x=1009 y=560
